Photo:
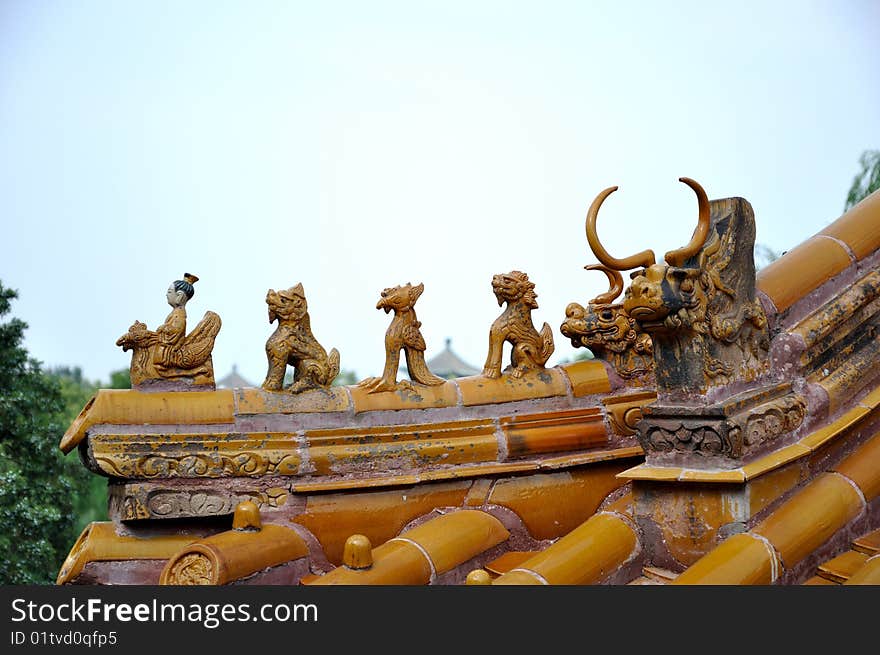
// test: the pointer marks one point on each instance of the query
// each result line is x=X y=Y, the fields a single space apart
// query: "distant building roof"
x=447 y=364
x=233 y=380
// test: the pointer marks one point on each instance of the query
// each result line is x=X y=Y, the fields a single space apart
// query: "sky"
x=354 y=146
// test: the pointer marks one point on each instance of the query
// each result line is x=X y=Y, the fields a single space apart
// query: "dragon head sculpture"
x=608 y=331
x=399 y=298
x=699 y=305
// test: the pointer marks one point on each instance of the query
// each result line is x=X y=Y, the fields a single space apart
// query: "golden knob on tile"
x=358 y=552
x=478 y=576
x=247 y=516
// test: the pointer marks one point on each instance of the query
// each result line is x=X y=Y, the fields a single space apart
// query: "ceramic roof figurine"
x=748 y=454
x=169 y=354
x=292 y=343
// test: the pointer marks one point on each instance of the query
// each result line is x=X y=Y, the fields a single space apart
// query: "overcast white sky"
x=355 y=146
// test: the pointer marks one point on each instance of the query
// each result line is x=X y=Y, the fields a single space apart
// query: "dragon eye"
x=606 y=314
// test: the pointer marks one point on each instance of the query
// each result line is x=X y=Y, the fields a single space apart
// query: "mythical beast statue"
x=169 y=354
x=699 y=307
x=531 y=349
x=293 y=343
x=608 y=331
x=402 y=334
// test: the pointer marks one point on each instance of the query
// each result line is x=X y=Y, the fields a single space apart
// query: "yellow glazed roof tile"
x=100 y=543
x=587 y=377
x=775 y=459
x=126 y=406
x=232 y=555
x=733 y=475
x=869 y=543
x=258 y=401
x=843 y=566
x=819 y=580
x=799 y=271
x=416 y=396
x=820 y=437
x=859 y=228
x=540 y=383
x=867 y=574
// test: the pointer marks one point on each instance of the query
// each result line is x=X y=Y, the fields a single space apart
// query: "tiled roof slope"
x=529 y=483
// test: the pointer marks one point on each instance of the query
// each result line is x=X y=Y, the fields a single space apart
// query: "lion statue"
x=531 y=349
x=293 y=343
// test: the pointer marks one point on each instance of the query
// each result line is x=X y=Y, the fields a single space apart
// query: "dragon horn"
x=643 y=259
x=615 y=284
x=701 y=232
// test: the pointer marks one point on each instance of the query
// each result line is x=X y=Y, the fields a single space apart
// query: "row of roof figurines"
x=170 y=355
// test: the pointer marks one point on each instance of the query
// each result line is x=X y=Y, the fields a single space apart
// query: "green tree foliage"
x=91 y=503
x=120 y=379
x=868 y=179
x=39 y=488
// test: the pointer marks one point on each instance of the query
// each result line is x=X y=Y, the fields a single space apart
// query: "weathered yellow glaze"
x=863 y=467
x=258 y=401
x=418 y=397
x=845 y=380
x=797 y=527
x=380 y=515
x=520 y=577
x=478 y=577
x=196 y=455
x=810 y=517
x=742 y=559
x=802 y=269
x=236 y=554
x=868 y=544
x=838 y=317
x=551 y=432
x=867 y=574
x=622 y=505
x=841 y=568
x=358 y=552
x=859 y=227
x=689 y=516
x=536 y=383
x=625 y=411
x=764 y=489
x=775 y=460
x=453 y=538
x=461 y=472
x=586 y=555
x=818 y=580
x=654 y=473
x=394 y=563
x=129 y=407
x=443 y=542
x=763 y=465
x=574 y=496
x=872 y=399
x=587 y=377
x=820 y=437
x=509 y=561
x=247 y=516
x=99 y=542
x=408 y=446
x=695 y=475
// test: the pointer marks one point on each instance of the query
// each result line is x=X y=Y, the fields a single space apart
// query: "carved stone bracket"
x=137 y=501
x=721 y=435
